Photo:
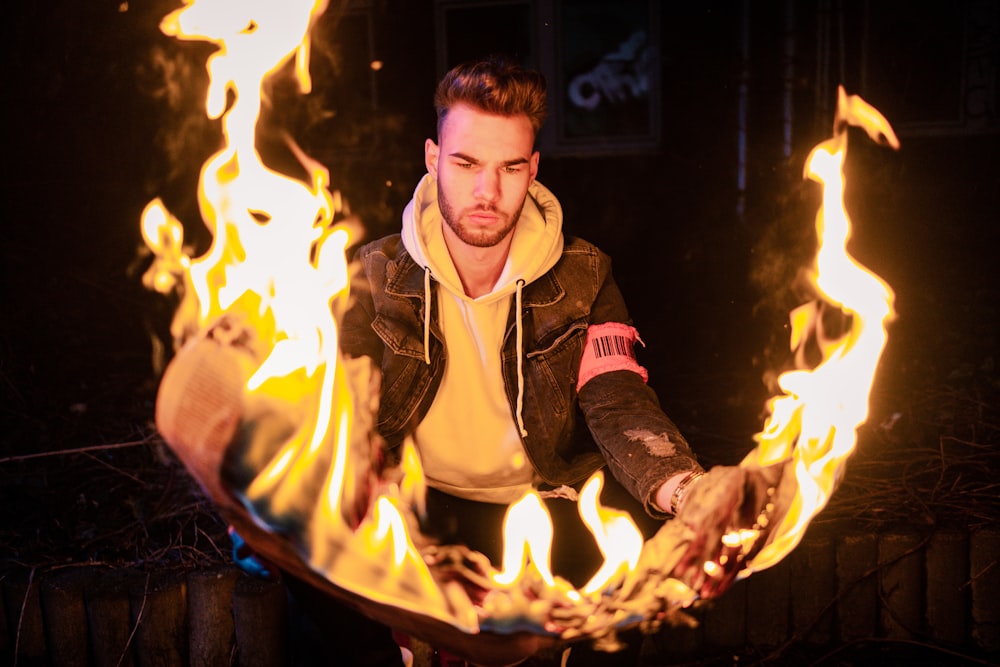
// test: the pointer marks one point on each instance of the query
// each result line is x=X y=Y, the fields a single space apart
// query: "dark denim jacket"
x=615 y=418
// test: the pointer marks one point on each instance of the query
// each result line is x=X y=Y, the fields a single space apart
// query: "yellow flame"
x=276 y=266
x=617 y=537
x=389 y=526
x=413 y=485
x=527 y=537
x=815 y=419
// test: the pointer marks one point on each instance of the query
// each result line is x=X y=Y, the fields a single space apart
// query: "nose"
x=488 y=186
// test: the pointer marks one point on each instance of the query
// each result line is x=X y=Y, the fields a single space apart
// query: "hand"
x=727 y=512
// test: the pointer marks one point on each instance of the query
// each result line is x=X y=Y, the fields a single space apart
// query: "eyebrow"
x=472 y=160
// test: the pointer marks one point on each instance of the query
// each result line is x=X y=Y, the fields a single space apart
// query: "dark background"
x=103 y=113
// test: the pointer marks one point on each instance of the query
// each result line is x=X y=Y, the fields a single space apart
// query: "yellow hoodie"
x=470 y=442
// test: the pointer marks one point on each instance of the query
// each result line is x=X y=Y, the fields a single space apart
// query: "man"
x=505 y=347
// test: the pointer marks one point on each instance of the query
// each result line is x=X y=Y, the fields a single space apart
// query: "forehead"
x=468 y=129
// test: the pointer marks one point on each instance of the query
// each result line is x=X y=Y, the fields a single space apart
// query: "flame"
x=814 y=421
x=527 y=537
x=276 y=274
x=389 y=525
x=617 y=537
x=275 y=279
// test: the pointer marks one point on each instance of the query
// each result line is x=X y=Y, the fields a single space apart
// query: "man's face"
x=483 y=168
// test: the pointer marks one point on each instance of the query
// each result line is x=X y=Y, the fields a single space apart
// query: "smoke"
x=780 y=261
x=173 y=80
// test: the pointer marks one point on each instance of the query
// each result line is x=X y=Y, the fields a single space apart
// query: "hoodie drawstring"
x=520 y=359
x=520 y=342
x=427 y=316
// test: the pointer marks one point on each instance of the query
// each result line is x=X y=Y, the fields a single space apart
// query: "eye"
x=512 y=169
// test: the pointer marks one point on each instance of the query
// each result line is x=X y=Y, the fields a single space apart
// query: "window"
x=601 y=60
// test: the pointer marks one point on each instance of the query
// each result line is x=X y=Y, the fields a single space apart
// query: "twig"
x=138 y=620
x=20 y=620
x=78 y=450
x=111 y=467
x=198 y=530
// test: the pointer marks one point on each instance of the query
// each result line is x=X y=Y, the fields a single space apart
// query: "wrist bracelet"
x=682 y=489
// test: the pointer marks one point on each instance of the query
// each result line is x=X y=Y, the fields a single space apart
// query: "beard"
x=471 y=234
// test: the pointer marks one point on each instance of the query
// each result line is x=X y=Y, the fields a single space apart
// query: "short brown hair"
x=496 y=85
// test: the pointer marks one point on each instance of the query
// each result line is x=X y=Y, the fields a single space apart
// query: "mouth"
x=483 y=217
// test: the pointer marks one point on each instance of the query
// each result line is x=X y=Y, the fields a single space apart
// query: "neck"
x=478 y=268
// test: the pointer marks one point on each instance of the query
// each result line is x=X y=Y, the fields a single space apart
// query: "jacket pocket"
x=396 y=338
x=555 y=368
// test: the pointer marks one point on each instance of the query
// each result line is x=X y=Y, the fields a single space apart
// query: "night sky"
x=103 y=114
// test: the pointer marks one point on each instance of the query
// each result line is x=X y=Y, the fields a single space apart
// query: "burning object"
x=276 y=423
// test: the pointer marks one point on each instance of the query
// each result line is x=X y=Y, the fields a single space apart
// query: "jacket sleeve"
x=642 y=446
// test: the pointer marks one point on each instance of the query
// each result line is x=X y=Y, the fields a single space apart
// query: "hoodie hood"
x=536 y=246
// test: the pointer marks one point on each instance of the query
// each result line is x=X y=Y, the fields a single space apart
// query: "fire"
x=814 y=421
x=617 y=537
x=529 y=533
x=271 y=287
x=527 y=536
x=276 y=274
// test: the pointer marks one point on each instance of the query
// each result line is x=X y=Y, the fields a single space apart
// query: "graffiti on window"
x=617 y=77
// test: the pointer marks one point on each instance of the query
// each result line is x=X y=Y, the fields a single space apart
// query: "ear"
x=533 y=167
x=431 y=153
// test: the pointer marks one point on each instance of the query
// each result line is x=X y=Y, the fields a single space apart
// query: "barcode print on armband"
x=610 y=346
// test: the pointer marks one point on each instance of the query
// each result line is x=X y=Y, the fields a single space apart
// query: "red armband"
x=609 y=347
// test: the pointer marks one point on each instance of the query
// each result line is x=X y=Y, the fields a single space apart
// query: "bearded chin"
x=469 y=235
x=480 y=238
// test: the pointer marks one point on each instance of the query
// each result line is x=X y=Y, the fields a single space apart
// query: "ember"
x=277 y=426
